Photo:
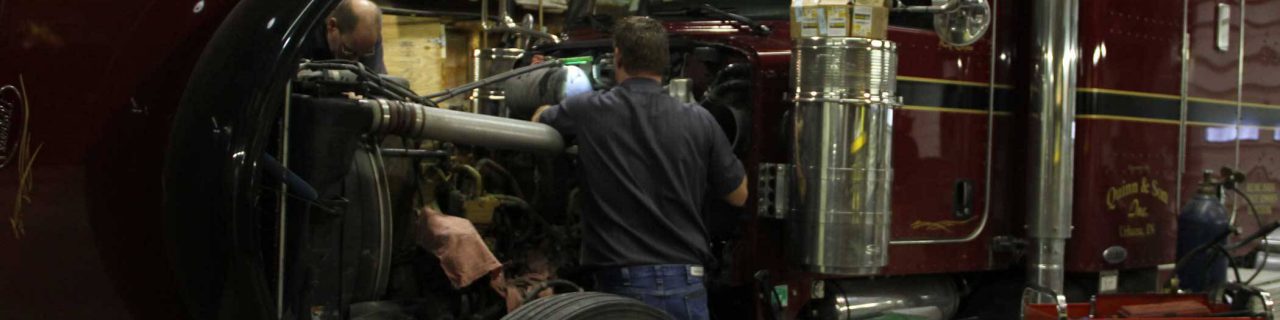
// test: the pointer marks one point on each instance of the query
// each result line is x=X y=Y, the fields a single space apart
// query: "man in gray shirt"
x=648 y=161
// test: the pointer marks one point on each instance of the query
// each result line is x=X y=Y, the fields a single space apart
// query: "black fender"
x=220 y=128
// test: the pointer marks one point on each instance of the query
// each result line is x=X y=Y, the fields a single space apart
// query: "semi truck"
x=180 y=160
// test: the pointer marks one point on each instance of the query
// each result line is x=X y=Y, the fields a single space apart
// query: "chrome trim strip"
x=1235 y=203
x=1240 y=81
x=1183 y=97
x=382 y=192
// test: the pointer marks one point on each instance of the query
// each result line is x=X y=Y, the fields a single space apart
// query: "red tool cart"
x=1238 y=302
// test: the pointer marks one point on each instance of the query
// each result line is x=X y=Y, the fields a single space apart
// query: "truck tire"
x=586 y=305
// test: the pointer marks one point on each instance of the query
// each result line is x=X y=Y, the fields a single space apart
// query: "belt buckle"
x=695 y=271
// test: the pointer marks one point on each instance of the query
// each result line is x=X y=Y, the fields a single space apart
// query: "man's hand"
x=738 y=197
x=538 y=114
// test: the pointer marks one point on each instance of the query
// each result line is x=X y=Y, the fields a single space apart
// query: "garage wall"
x=416 y=49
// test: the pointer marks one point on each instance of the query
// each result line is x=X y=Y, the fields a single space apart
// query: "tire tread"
x=586 y=305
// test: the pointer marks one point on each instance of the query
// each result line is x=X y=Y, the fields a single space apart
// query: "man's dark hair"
x=642 y=42
x=345 y=15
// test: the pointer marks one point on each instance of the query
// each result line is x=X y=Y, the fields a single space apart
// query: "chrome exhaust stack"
x=486 y=63
x=1053 y=92
x=841 y=173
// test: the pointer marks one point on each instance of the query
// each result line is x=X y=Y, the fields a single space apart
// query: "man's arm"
x=738 y=197
x=537 y=114
x=725 y=175
x=560 y=117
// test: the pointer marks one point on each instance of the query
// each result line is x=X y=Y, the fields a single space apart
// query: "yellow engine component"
x=480 y=209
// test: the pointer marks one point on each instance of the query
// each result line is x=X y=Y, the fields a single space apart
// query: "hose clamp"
x=376 y=121
x=385 y=120
x=419 y=119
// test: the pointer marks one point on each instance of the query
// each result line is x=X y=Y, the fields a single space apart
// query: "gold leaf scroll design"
x=26 y=161
x=941 y=225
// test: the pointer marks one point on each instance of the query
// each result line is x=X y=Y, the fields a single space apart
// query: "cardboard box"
x=869 y=22
x=415 y=49
x=835 y=22
x=804 y=18
x=872 y=3
x=819 y=18
x=838 y=18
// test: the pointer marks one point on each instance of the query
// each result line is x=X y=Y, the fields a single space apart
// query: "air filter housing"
x=844 y=96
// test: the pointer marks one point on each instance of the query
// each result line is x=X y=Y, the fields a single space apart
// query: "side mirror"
x=963 y=23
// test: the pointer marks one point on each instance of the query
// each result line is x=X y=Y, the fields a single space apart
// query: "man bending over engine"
x=352 y=32
x=648 y=161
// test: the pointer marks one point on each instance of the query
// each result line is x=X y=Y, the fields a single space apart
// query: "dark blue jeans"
x=674 y=288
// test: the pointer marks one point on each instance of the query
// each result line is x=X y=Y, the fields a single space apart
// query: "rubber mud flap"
x=586 y=305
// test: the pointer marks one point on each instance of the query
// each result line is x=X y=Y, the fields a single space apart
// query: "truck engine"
x=365 y=156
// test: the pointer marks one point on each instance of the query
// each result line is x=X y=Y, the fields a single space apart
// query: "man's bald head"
x=350 y=13
x=353 y=29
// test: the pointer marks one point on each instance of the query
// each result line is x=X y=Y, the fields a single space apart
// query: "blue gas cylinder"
x=1202 y=220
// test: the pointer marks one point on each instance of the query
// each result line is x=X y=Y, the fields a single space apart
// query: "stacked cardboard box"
x=839 y=18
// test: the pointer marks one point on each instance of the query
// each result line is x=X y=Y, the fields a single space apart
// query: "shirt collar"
x=642 y=85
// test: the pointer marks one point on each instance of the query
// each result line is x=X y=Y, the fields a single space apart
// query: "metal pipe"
x=868 y=298
x=490 y=131
x=1053 y=92
x=414 y=153
x=484 y=23
x=1185 y=52
x=504 y=12
x=418 y=121
x=526 y=31
x=1045 y=265
x=477 y=74
x=1239 y=97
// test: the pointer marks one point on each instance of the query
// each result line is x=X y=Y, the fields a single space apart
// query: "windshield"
x=582 y=12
